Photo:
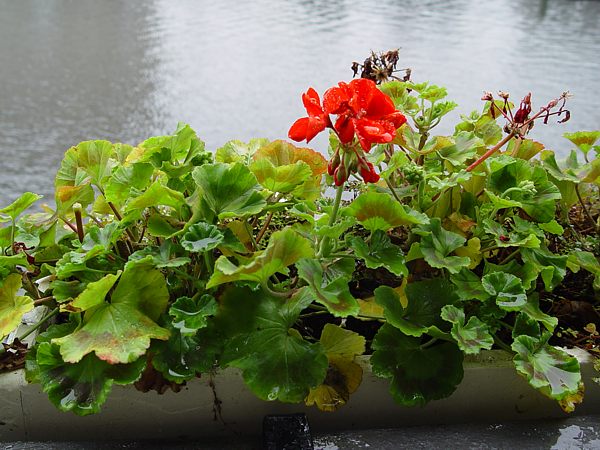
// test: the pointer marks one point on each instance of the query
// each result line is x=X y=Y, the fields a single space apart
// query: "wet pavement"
x=581 y=432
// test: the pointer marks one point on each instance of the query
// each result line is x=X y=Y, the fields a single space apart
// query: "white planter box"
x=490 y=391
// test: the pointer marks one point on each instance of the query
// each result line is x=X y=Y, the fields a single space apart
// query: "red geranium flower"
x=317 y=120
x=364 y=111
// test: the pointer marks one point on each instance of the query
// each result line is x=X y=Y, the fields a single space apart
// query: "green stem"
x=509 y=257
x=336 y=204
x=334 y=212
x=587 y=212
x=275 y=293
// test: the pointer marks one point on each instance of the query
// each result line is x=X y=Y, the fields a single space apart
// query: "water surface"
x=72 y=70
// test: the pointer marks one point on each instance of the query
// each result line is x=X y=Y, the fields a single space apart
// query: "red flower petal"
x=380 y=105
x=335 y=99
x=362 y=92
x=312 y=102
x=298 y=130
x=371 y=132
x=397 y=118
x=345 y=128
x=315 y=126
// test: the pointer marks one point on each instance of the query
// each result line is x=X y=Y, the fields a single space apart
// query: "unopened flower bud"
x=333 y=163
x=340 y=175
x=487 y=96
x=503 y=95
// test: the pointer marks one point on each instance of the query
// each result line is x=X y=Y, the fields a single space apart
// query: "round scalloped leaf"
x=190 y=315
x=425 y=301
x=237 y=151
x=135 y=176
x=82 y=387
x=377 y=211
x=282 y=153
x=583 y=139
x=121 y=331
x=181 y=358
x=229 y=190
x=329 y=289
x=507 y=290
x=285 y=247
x=283 y=179
x=276 y=362
x=202 y=237
x=88 y=161
x=159 y=257
x=550 y=370
x=436 y=245
x=12 y=306
x=470 y=337
x=418 y=375
x=380 y=252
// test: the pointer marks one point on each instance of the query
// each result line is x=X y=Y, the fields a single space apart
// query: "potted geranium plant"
x=164 y=261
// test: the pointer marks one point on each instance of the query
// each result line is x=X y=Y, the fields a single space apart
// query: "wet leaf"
x=276 y=362
x=190 y=315
x=121 y=331
x=125 y=179
x=418 y=375
x=87 y=162
x=285 y=248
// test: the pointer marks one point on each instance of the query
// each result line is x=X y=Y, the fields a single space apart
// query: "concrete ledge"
x=491 y=391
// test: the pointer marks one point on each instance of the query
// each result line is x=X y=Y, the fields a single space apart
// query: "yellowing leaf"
x=12 y=306
x=471 y=251
x=343 y=374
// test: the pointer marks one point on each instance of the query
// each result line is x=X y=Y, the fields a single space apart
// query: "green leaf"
x=283 y=167
x=87 y=162
x=159 y=257
x=329 y=289
x=379 y=252
x=377 y=211
x=436 y=245
x=190 y=315
x=470 y=337
x=12 y=306
x=508 y=176
x=83 y=387
x=16 y=208
x=183 y=356
x=67 y=196
x=418 y=374
x=103 y=238
x=528 y=148
x=124 y=179
x=201 y=237
x=552 y=227
x=580 y=260
x=95 y=292
x=425 y=302
x=229 y=190
x=464 y=147
x=550 y=370
x=285 y=247
x=237 y=151
x=276 y=362
x=584 y=140
x=552 y=267
x=468 y=286
x=533 y=311
x=183 y=143
x=507 y=290
x=156 y=195
x=8 y=264
x=120 y=331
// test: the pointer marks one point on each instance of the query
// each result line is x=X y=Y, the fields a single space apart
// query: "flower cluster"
x=362 y=111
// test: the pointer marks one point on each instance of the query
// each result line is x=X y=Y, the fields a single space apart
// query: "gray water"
x=73 y=70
